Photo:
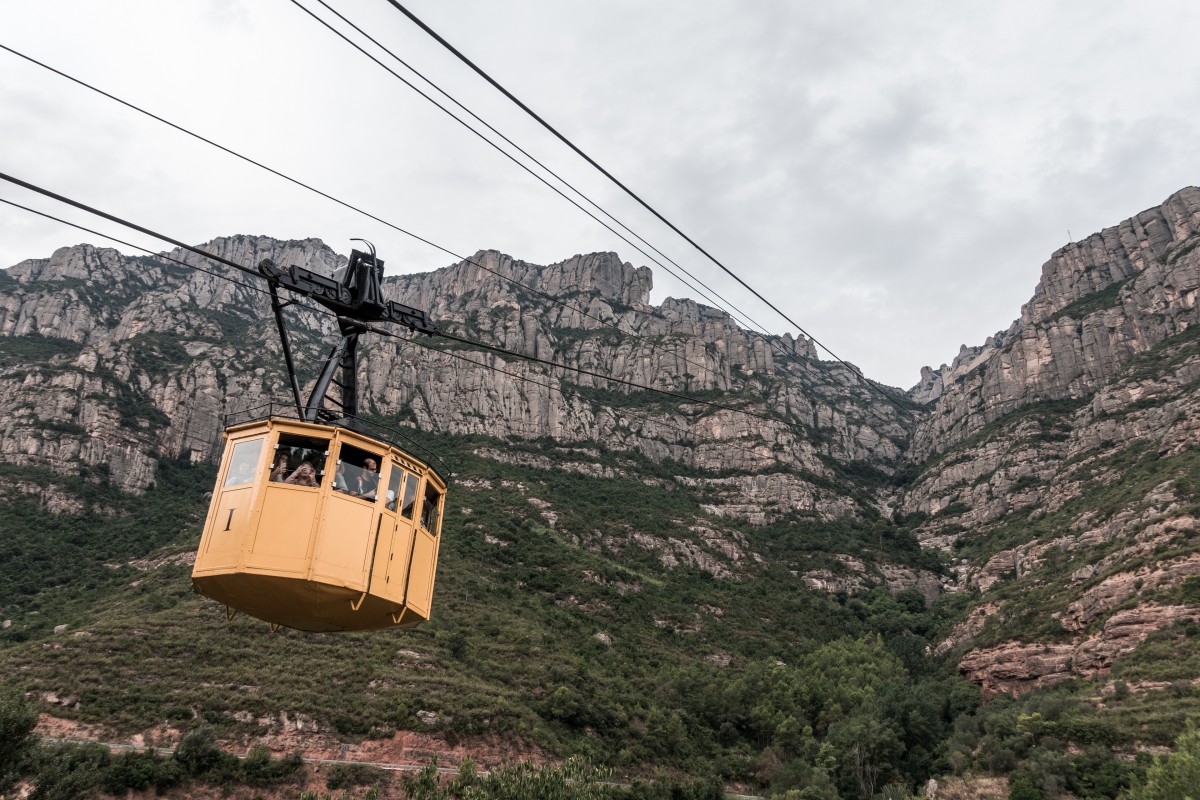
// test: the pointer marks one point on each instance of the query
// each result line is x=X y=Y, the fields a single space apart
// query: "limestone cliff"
x=1099 y=302
x=147 y=356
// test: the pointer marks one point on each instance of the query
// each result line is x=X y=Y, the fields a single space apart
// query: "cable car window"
x=357 y=472
x=299 y=460
x=410 y=497
x=429 y=509
x=243 y=462
x=393 y=490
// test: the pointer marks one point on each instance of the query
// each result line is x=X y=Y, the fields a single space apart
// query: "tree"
x=198 y=752
x=869 y=750
x=426 y=784
x=17 y=740
x=70 y=772
x=1021 y=786
x=1176 y=777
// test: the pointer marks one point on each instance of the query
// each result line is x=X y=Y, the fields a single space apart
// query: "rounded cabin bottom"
x=304 y=605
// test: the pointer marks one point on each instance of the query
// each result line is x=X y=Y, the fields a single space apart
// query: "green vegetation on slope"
x=54 y=568
x=573 y=638
x=1069 y=741
x=21 y=350
x=1030 y=600
x=1089 y=303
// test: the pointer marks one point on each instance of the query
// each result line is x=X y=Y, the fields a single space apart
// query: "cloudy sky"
x=892 y=175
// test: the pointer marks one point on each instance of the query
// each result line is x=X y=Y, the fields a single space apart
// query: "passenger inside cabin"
x=279 y=473
x=368 y=481
x=357 y=473
x=241 y=473
x=305 y=475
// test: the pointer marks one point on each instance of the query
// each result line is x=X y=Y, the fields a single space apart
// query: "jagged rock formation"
x=113 y=363
x=187 y=347
x=154 y=369
x=1099 y=303
x=1016 y=667
x=607 y=327
x=934 y=383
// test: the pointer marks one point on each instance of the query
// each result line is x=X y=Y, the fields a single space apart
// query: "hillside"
x=818 y=600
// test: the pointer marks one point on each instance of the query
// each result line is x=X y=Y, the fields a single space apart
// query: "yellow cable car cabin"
x=315 y=522
x=321 y=528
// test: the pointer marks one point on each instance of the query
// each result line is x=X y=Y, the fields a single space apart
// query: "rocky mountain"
x=1059 y=459
x=189 y=347
x=1035 y=501
x=1099 y=303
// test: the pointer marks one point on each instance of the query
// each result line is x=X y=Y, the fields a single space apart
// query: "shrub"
x=69 y=772
x=139 y=771
x=197 y=752
x=17 y=740
x=1175 y=777
x=1021 y=786
x=132 y=770
x=348 y=776
x=259 y=769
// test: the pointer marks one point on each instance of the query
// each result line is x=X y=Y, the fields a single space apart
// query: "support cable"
x=722 y=303
x=513 y=159
x=137 y=247
x=741 y=315
x=126 y=223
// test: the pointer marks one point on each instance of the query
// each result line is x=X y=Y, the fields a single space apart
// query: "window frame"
x=280 y=444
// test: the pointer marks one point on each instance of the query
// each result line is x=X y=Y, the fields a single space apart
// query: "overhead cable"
x=516 y=161
x=732 y=309
x=136 y=246
x=483 y=74
x=513 y=281
x=711 y=295
x=221 y=260
x=718 y=301
x=126 y=223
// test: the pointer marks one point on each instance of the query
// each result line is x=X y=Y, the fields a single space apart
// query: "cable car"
x=318 y=522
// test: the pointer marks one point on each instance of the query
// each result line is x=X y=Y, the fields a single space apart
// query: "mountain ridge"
x=1028 y=522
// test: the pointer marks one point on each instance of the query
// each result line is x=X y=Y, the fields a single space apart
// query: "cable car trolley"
x=317 y=522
